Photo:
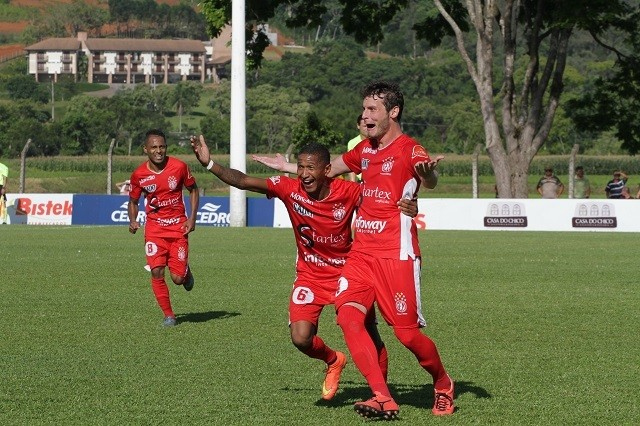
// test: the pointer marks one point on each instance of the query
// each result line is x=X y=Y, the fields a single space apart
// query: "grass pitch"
x=535 y=328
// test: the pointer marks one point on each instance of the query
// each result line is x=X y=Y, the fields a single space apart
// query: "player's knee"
x=301 y=339
x=407 y=336
x=350 y=319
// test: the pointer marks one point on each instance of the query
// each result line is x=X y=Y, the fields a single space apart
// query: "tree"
x=312 y=129
x=519 y=99
x=184 y=97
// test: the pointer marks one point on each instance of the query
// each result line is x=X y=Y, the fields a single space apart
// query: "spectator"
x=549 y=186
x=124 y=187
x=362 y=128
x=626 y=193
x=4 y=174
x=614 y=186
x=581 y=185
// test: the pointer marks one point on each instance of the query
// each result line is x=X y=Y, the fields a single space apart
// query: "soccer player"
x=160 y=180
x=384 y=262
x=320 y=210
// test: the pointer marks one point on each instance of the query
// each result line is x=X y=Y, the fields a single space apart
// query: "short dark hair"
x=359 y=120
x=579 y=168
x=390 y=94
x=314 y=148
x=548 y=169
x=154 y=132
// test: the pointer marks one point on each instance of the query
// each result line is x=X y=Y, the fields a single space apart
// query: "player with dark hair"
x=160 y=180
x=384 y=262
x=320 y=209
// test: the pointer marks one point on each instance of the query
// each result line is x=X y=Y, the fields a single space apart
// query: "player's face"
x=156 y=149
x=312 y=172
x=376 y=118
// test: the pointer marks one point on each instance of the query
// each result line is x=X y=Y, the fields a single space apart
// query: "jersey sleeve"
x=418 y=154
x=352 y=158
x=278 y=186
x=189 y=180
x=136 y=190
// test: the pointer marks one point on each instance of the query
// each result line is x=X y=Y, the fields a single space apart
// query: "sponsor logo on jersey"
x=149 y=188
x=301 y=210
x=167 y=222
x=173 y=182
x=300 y=198
x=419 y=151
x=369 y=150
x=369 y=226
x=310 y=237
x=339 y=212
x=378 y=194
x=321 y=261
x=387 y=165
x=364 y=163
x=275 y=179
x=147 y=179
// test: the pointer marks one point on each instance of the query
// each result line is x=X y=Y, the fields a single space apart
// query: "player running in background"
x=161 y=180
x=384 y=262
x=320 y=210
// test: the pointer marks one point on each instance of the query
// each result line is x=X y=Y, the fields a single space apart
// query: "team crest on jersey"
x=339 y=212
x=173 y=182
x=275 y=179
x=150 y=188
x=387 y=165
x=364 y=163
x=419 y=151
x=182 y=254
x=401 y=303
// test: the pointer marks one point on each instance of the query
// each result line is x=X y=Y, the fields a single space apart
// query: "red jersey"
x=164 y=201
x=388 y=174
x=322 y=227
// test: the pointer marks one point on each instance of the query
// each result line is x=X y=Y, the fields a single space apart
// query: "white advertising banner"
x=517 y=215
x=529 y=215
x=39 y=209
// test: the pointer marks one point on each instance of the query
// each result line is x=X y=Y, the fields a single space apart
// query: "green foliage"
x=25 y=87
x=11 y=13
x=312 y=129
x=87 y=348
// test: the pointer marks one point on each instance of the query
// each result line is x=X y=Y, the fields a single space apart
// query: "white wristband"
x=210 y=165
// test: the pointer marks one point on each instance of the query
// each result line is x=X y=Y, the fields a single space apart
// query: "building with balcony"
x=129 y=61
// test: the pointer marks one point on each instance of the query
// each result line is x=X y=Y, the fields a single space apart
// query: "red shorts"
x=394 y=285
x=172 y=252
x=309 y=297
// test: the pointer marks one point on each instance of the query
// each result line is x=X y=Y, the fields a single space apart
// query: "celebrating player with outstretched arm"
x=320 y=209
x=384 y=262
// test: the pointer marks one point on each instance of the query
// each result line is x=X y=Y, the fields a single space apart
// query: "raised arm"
x=279 y=163
x=229 y=176
x=428 y=173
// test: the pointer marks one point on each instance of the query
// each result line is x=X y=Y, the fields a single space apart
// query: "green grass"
x=536 y=329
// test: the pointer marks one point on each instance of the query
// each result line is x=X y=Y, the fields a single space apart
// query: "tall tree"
x=528 y=38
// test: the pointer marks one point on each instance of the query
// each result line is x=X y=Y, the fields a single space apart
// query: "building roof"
x=144 y=45
x=55 y=44
x=120 y=45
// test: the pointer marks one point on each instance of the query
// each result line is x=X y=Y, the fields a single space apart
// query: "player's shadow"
x=419 y=396
x=205 y=316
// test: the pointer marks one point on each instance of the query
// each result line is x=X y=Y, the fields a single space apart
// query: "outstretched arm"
x=428 y=173
x=229 y=176
x=279 y=163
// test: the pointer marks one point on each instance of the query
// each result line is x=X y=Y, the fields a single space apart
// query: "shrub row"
x=450 y=166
